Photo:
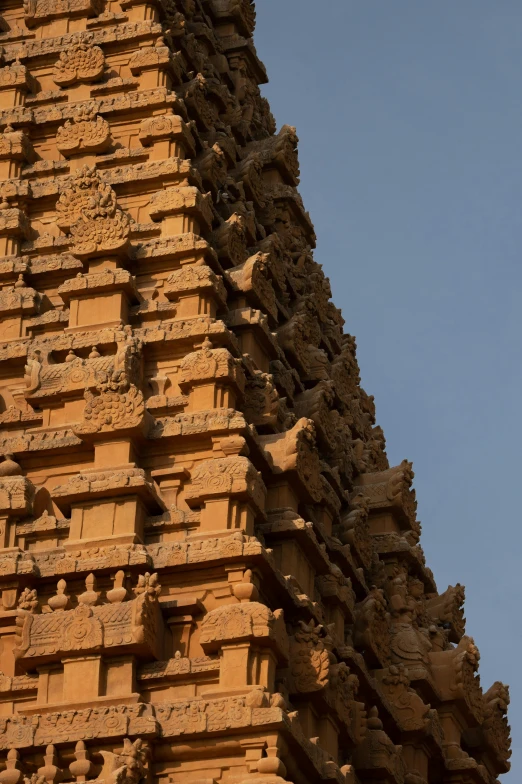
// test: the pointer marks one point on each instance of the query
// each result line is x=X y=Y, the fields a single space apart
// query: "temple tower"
x=209 y=572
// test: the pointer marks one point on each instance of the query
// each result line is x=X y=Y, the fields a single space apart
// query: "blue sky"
x=409 y=115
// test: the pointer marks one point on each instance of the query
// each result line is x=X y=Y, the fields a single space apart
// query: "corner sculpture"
x=209 y=572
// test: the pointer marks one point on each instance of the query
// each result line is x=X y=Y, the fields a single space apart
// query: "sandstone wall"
x=208 y=570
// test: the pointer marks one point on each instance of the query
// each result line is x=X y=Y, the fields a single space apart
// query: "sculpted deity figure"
x=127 y=767
x=410 y=641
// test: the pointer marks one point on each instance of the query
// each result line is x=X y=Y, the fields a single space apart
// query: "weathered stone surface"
x=209 y=572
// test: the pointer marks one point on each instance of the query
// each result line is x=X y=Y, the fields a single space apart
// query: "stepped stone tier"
x=209 y=572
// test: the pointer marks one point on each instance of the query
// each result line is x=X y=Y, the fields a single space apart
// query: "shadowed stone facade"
x=209 y=572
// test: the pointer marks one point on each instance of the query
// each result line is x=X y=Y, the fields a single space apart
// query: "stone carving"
x=262 y=401
x=241 y=11
x=128 y=767
x=309 y=658
x=16 y=75
x=447 y=610
x=378 y=756
x=116 y=406
x=495 y=727
x=391 y=489
x=226 y=476
x=354 y=529
x=295 y=451
x=412 y=712
x=187 y=717
x=195 y=278
x=9 y=466
x=186 y=199
x=40 y=11
x=208 y=364
x=166 y=126
x=16 y=732
x=18 y=298
x=217 y=420
x=88 y=209
x=45 y=380
x=82 y=62
x=239 y=622
x=13 y=221
x=178 y=666
x=133 y=624
x=98 y=283
x=13 y=773
x=455 y=673
x=212 y=165
x=252 y=277
x=407 y=607
x=230 y=240
x=62 y=727
x=87 y=131
x=102 y=484
x=82 y=767
x=180 y=406
x=15 y=145
x=16 y=495
x=372 y=629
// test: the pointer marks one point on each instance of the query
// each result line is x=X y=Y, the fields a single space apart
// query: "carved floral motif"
x=88 y=209
x=82 y=62
x=87 y=131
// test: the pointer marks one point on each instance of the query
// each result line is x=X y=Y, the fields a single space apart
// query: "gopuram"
x=209 y=572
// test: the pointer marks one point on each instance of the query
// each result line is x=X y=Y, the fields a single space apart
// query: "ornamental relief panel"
x=82 y=62
x=86 y=131
x=134 y=625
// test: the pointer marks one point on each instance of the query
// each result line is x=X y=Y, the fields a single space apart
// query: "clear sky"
x=409 y=115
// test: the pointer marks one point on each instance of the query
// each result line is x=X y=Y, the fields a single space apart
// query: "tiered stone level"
x=209 y=572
